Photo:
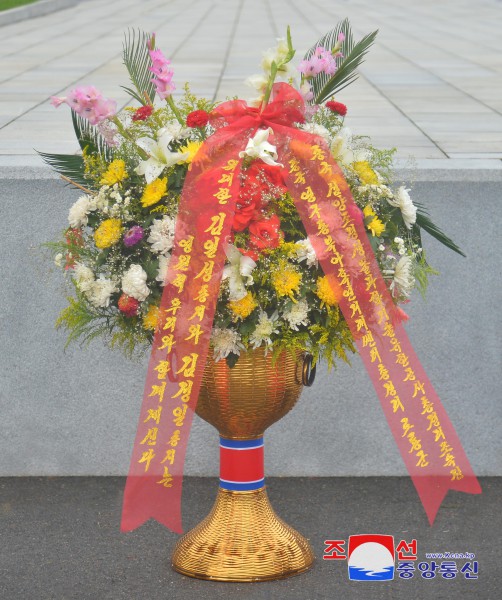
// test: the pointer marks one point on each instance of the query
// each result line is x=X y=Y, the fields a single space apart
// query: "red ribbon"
x=426 y=438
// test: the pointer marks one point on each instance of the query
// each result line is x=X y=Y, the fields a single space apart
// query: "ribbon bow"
x=425 y=436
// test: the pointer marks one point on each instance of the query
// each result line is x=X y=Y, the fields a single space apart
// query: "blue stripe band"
x=242 y=487
x=241 y=444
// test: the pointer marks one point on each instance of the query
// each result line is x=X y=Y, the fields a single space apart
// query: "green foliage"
x=69 y=165
x=425 y=223
x=323 y=85
x=84 y=323
x=8 y=4
x=89 y=138
x=136 y=58
x=422 y=272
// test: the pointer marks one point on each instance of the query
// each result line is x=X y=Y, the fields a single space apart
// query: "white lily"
x=240 y=268
x=259 y=147
x=160 y=156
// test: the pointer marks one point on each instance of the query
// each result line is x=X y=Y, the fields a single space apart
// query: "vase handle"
x=308 y=371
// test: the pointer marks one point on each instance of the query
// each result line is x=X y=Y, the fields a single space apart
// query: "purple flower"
x=133 y=236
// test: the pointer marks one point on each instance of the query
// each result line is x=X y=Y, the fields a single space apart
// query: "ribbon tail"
x=181 y=341
x=139 y=505
x=427 y=441
x=433 y=490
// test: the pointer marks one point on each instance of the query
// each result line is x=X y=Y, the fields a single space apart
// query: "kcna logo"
x=370 y=557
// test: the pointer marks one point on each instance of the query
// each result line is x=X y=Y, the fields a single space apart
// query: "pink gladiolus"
x=57 y=101
x=322 y=61
x=89 y=103
x=162 y=71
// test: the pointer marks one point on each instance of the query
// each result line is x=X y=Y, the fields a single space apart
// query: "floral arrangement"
x=132 y=168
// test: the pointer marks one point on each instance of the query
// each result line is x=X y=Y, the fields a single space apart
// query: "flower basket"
x=209 y=233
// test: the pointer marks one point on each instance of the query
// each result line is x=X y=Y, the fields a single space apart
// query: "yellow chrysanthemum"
x=115 y=173
x=191 y=148
x=329 y=292
x=154 y=191
x=151 y=318
x=244 y=307
x=108 y=233
x=365 y=172
x=286 y=281
x=376 y=227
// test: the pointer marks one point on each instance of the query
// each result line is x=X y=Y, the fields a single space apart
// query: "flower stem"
x=175 y=110
x=125 y=134
x=268 y=90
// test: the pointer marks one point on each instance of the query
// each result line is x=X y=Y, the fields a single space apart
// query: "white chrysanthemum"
x=177 y=130
x=264 y=329
x=343 y=152
x=100 y=292
x=404 y=280
x=134 y=283
x=297 y=314
x=162 y=235
x=224 y=342
x=100 y=201
x=403 y=201
x=316 y=129
x=83 y=277
x=77 y=217
x=163 y=266
x=305 y=251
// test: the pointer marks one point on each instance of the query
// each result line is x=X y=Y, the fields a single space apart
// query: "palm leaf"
x=323 y=85
x=137 y=60
x=89 y=137
x=70 y=165
x=425 y=223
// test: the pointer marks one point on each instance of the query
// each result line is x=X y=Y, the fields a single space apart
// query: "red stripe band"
x=241 y=463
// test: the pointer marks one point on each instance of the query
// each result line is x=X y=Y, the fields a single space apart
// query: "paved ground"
x=61 y=540
x=432 y=85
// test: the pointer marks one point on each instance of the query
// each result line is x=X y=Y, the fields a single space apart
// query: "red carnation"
x=128 y=305
x=337 y=107
x=142 y=113
x=197 y=118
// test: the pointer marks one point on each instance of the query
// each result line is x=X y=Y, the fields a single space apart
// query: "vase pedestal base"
x=242 y=539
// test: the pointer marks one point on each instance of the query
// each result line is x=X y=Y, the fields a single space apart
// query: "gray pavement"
x=61 y=540
x=431 y=86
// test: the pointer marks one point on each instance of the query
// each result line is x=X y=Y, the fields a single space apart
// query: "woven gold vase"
x=242 y=539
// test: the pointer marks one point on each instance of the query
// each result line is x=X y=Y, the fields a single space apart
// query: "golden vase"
x=242 y=539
